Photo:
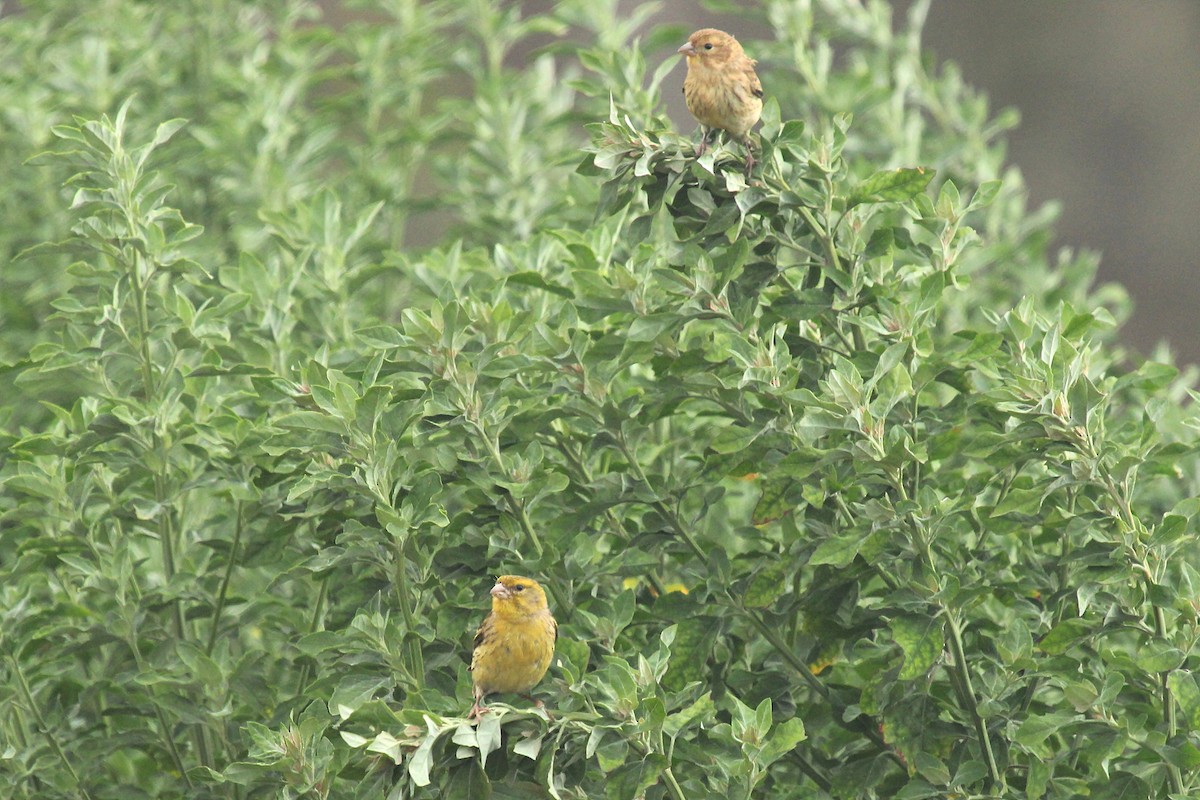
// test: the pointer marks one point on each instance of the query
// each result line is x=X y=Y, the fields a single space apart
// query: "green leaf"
x=762 y=717
x=792 y=132
x=891 y=186
x=612 y=754
x=653 y=715
x=381 y=336
x=746 y=723
x=690 y=652
x=1035 y=730
x=985 y=194
x=841 y=549
x=1038 y=779
x=1172 y=528
x=529 y=747
x=1187 y=694
x=768 y=583
x=1185 y=757
x=701 y=709
x=932 y=768
x=632 y=779
x=970 y=773
x=948 y=200
x=1158 y=656
x=1021 y=501
x=1064 y=636
x=385 y=744
x=1014 y=643
x=921 y=639
x=353 y=691
x=575 y=653
x=537 y=281
x=783 y=739
x=421 y=761
x=622 y=610
x=1081 y=694
x=467 y=782
x=487 y=736
x=1122 y=786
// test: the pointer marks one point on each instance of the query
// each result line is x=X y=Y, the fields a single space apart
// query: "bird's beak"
x=500 y=591
x=688 y=49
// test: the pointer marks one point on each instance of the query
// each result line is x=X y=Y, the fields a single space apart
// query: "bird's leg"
x=750 y=162
x=704 y=134
x=538 y=704
x=477 y=710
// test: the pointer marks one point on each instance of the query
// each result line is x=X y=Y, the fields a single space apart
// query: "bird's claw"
x=539 y=705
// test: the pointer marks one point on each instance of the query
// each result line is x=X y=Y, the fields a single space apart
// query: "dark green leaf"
x=922 y=642
x=891 y=186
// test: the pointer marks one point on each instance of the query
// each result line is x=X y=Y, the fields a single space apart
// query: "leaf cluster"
x=838 y=485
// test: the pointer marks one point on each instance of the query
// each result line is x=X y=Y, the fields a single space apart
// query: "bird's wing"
x=483 y=635
x=755 y=84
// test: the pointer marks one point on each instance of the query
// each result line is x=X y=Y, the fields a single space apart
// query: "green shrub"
x=839 y=484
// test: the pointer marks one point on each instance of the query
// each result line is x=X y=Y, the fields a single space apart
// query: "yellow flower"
x=721 y=88
x=515 y=644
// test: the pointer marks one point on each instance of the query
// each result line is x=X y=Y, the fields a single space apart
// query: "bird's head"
x=710 y=47
x=514 y=595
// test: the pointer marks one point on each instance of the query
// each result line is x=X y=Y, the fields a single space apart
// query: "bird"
x=721 y=89
x=515 y=643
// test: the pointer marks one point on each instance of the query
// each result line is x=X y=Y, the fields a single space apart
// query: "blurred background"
x=1109 y=96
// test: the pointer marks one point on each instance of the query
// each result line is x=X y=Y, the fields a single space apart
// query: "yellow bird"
x=515 y=643
x=722 y=89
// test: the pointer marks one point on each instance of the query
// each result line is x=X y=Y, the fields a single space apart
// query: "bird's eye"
x=708 y=46
x=518 y=588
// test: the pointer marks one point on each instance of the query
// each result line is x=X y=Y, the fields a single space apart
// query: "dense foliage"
x=840 y=485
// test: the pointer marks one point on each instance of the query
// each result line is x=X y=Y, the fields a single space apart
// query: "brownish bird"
x=721 y=88
x=515 y=643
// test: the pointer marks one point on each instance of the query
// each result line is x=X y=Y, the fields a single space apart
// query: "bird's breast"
x=722 y=99
x=516 y=657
